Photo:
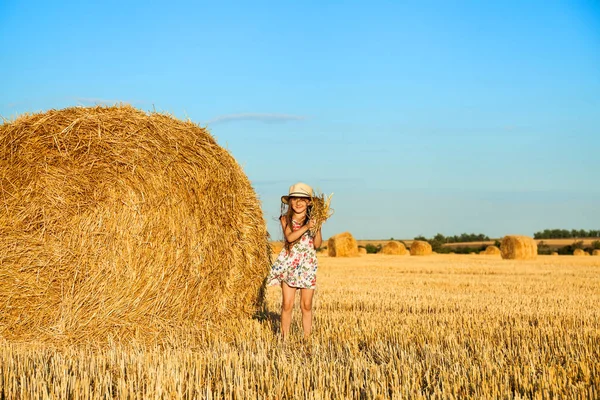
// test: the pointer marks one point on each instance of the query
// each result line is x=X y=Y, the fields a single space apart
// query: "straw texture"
x=320 y=211
x=394 y=248
x=596 y=252
x=420 y=248
x=492 y=251
x=116 y=223
x=342 y=245
x=515 y=247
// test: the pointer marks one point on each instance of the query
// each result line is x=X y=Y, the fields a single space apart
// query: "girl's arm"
x=318 y=240
x=290 y=235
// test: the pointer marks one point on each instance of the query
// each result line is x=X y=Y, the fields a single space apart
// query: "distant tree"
x=372 y=249
x=566 y=234
x=440 y=238
x=543 y=248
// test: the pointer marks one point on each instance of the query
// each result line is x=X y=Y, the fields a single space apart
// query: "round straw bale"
x=342 y=245
x=515 y=247
x=362 y=251
x=394 y=248
x=124 y=224
x=596 y=252
x=420 y=248
x=492 y=250
x=554 y=253
x=578 y=252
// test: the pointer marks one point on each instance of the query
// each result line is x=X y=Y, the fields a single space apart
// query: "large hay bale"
x=394 y=248
x=515 y=247
x=362 y=251
x=420 y=248
x=492 y=251
x=596 y=252
x=118 y=223
x=578 y=252
x=342 y=245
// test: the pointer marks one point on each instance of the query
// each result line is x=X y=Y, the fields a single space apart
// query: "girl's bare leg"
x=287 y=304
x=306 y=298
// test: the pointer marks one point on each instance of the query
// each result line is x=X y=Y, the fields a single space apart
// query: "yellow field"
x=444 y=326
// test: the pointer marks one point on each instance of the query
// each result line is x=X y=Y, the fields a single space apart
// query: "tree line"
x=463 y=237
x=566 y=234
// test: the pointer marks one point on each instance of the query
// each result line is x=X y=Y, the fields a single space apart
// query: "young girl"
x=296 y=265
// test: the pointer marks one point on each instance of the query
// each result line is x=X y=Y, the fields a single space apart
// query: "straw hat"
x=298 y=190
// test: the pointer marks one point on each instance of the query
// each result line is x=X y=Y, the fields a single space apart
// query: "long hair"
x=287 y=212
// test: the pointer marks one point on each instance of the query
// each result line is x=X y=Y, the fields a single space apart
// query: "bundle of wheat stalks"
x=321 y=210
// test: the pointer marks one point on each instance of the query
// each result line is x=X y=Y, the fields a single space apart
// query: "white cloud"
x=260 y=117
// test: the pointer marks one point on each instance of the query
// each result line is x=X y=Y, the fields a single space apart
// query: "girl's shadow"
x=266 y=316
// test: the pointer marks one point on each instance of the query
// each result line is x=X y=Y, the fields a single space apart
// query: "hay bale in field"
x=119 y=223
x=516 y=247
x=578 y=252
x=362 y=251
x=554 y=253
x=342 y=245
x=596 y=252
x=276 y=247
x=394 y=248
x=420 y=248
x=492 y=251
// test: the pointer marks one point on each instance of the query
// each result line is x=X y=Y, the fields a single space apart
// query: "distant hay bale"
x=362 y=251
x=342 y=245
x=452 y=253
x=117 y=223
x=515 y=247
x=554 y=253
x=492 y=251
x=578 y=252
x=394 y=248
x=420 y=248
x=596 y=252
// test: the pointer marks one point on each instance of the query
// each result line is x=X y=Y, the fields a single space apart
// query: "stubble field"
x=443 y=326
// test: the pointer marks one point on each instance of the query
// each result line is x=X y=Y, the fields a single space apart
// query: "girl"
x=296 y=265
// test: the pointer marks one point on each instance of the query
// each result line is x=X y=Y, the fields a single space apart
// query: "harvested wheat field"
x=384 y=327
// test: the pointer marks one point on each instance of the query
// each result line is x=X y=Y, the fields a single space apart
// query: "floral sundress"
x=298 y=266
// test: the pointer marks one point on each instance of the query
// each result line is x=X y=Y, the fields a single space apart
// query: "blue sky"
x=420 y=116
